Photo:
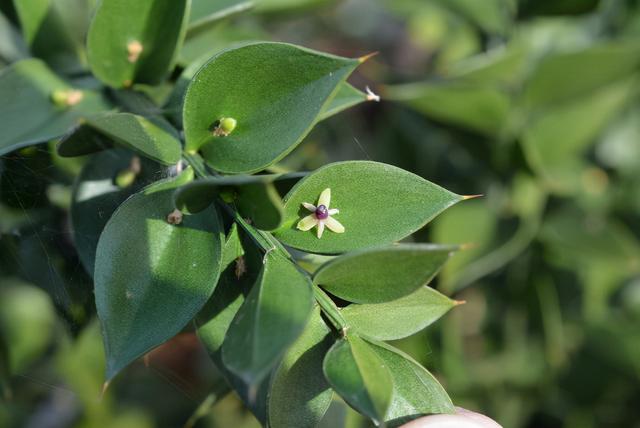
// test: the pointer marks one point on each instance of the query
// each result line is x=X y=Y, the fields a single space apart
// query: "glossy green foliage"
x=300 y=395
x=55 y=30
x=382 y=274
x=255 y=197
x=366 y=193
x=28 y=86
x=360 y=376
x=399 y=318
x=150 y=137
x=415 y=391
x=276 y=92
x=281 y=300
x=98 y=193
x=153 y=273
x=135 y=42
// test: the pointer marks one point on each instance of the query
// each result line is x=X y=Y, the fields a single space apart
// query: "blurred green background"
x=532 y=103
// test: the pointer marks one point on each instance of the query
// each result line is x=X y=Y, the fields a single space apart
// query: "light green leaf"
x=152 y=138
x=299 y=394
x=276 y=93
x=482 y=108
x=367 y=195
x=207 y=12
x=382 y=274
x=561 y=76
x=254 y=196
x=415 y=391
x=399 y=318
x=152 y=277
x=554 y=148
x=31 y=117
x=346 y=97
x=136 y=42
x=355 y=371
x=96 y=196
x=269 y=321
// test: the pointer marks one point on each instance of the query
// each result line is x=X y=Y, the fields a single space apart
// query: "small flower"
x=134 y=49
x=321 y=216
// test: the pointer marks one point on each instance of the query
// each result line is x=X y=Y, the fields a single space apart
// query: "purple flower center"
x=322 y=212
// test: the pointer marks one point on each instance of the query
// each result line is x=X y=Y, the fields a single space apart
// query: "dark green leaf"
x=255 y=197
x=151 y=138
x=135 y=42
x=276 y=93
x=55 y=30
x=299 y=394
x=29 y=116
x=355 y=371
x=382 y=274
x=272 y=317
x=152 y=277
x=415 y=391
x=399 y=318
x=96 y=196
x=379 y=204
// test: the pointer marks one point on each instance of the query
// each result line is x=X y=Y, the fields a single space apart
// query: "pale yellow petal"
x=334 y=211
x=325 y=197
x=308 y=222
x=334 y=225
x=320 y=228
x=309 y=206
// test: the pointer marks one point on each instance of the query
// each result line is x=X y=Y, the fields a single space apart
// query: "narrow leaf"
x=299 y=394
x=148 y=137
x=379 y=204
x=270 y=320
x=346 y=97
x=382 y=274
x=151 y=276
x=399 y=318
x=276 y=93
x=355 y=371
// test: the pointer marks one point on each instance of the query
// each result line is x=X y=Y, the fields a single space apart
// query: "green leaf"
x=55 y=30
x=255 y=197
x=96 y=196
x=415 y=391
x=482 y=108
x=214 y=319
x=554 y=148
x=152 y=277
x=32 y=117
x=276 y=93
x=299 y=394
x=399 y=318
x=151 y=138
x=561 y=76
x=269 y=321
x=367 y=195
x=355 y=371
x=207 y=12
x=382 y=274
x=346 y=97
x=135 y=42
